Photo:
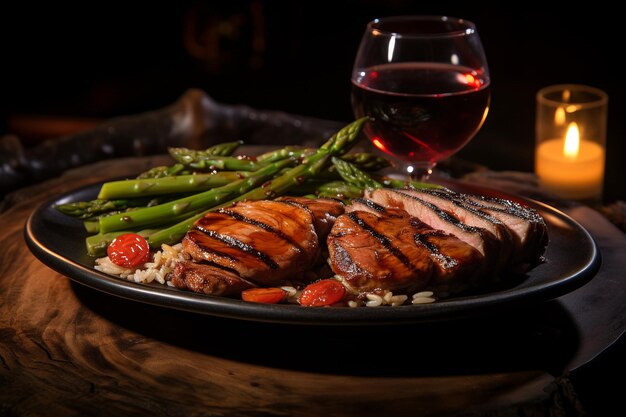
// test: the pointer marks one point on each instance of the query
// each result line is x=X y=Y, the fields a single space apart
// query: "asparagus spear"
x=367 y=161
x=87 y=209
x=354 y=176
x=164 y=171
x=203 y=161
x=224 y=149
x=338 y=189
x=202 y=201
x=337 y=145
x=297 y=152
x=221 y=149
x=168 y=185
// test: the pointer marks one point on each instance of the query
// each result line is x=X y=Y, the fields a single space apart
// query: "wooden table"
x=68 y=350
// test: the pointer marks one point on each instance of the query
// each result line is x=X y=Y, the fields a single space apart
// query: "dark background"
x=96 y=60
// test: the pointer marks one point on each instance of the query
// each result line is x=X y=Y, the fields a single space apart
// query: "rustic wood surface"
x=68 y=350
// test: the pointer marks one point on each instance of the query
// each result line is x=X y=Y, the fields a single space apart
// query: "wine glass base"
x=420 y=171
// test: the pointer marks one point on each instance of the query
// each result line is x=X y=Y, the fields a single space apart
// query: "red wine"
x=421 y=112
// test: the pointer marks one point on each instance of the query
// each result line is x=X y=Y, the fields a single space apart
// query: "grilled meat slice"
x=207 y=279
x=324 y=210
x=528 y=228
x=471 y=216
x=457 y=264
x=484 y=241
x=265 y=242
x=364 y=204
x=373 y=253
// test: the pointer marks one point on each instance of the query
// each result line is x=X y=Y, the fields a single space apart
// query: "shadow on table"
x=535 y=337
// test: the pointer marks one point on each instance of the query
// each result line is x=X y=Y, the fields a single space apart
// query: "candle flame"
x=572 y=141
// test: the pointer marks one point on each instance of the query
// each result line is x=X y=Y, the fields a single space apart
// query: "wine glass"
x=424 y=83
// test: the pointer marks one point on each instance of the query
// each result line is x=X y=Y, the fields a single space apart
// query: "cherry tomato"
x=129 y=250
x=264 y=295
x=324 y=292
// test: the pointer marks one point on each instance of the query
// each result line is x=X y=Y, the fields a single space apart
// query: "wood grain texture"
x=68 y=350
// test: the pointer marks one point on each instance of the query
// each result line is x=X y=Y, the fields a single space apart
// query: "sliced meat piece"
x=364 y=204
x=529 y=230
x=265 y=242
x=484 y=241
x=457 y=264
x=325 y=211
x=472 y=216
x=373 y=253
x=207 y=279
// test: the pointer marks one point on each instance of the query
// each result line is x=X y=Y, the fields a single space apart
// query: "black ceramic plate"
x=572 y=259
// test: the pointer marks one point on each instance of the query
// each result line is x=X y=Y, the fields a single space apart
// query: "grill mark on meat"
x=297 y=204
x=345 y=262
x=503 y=206
x=263 y=226
x=236 y=243
x=218 y=253
x=445 y=261
x=384 y=240
x=442 y=214
x=369 y=204
x=461 y=204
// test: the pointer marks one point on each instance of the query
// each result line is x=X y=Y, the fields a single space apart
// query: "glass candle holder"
x=571 y=141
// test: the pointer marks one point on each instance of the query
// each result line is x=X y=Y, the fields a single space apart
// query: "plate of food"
x=309 y=236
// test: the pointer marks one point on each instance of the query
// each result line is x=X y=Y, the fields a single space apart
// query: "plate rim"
x=450 y=309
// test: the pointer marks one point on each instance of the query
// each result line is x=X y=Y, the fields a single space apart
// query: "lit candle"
x=571 y=167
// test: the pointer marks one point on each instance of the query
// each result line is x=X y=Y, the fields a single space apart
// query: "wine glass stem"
x=419 y=171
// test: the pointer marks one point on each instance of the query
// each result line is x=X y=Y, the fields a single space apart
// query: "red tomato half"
x=129 y=250
x=264 y=295
x=324 y=292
